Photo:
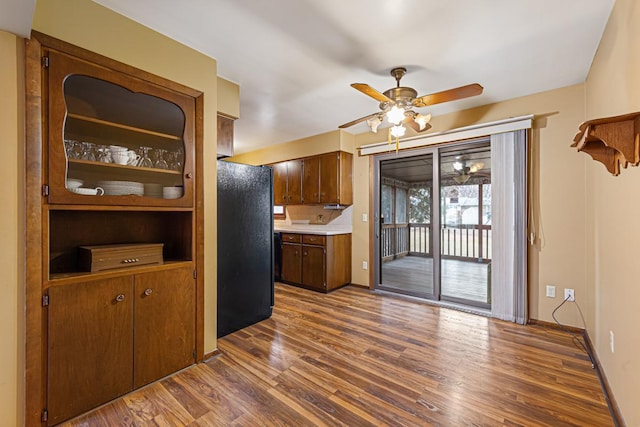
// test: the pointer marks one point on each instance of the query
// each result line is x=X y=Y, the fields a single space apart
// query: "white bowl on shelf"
x=171 y=192
x=74 y=183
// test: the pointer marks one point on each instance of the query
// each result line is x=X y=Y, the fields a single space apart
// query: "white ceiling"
x=295 y=59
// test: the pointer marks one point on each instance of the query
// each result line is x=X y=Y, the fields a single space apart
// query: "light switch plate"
x=551 y=291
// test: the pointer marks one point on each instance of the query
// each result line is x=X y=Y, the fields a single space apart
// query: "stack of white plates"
x=153 y=190
x=171 y=192
x=121 y=188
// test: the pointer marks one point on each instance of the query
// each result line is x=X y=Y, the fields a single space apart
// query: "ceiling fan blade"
x=409 y=121
x=356 y=121
x=368 y=90
x=448 y=95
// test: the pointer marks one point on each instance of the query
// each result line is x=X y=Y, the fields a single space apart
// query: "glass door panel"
x=465 y=231
x=406 y=257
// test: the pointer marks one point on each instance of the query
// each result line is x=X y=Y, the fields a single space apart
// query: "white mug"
x=120 y=157
x=133 y=158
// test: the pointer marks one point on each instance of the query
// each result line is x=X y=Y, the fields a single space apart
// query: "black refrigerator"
x=245 y=245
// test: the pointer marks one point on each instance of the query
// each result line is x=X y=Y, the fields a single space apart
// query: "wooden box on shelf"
x=109 y=257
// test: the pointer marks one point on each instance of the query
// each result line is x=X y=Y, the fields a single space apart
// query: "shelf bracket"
x=612 y=141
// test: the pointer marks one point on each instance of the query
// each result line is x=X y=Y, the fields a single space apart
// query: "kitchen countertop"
x=322 y=230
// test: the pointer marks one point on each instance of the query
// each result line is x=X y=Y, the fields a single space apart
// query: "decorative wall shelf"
x=612 y=141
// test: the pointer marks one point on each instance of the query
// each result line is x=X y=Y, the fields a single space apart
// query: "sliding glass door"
x=433 y=230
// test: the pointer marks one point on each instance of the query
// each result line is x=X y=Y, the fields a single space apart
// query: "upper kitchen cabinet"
x=116 y=140
x=326 y=179
x=287 y=182
x=336 y=185
x=225 y=136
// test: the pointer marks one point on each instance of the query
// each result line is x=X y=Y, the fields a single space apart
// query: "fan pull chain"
x=389 y=141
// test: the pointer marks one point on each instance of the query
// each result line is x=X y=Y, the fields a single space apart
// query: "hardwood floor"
x=414 y=275
x=357 y=358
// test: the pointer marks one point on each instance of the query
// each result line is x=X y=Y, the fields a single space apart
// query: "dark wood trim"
x=35 y=362
x=199 y=224
x=212 y=354
x=614 y=409
x=551 y=325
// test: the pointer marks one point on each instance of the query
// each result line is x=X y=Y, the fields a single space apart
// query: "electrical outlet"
x=551 y=291
x=569 y=294
x=365 y=265
x=611 y=341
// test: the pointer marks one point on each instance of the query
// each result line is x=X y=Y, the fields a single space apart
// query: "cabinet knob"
x=188 y=175
x=148 y=291
x=305 y=254
x=120 y=298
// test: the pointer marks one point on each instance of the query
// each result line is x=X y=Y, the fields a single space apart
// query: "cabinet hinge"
x=45 y=416
x=45 y=62
x=195 y=355
x=45 y=300
x=195 y=274
x=45 y=190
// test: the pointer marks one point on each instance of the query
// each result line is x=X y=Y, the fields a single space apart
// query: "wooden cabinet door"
x=311 y=180
x=164 y=323
x=291 y=263
x=90 y=345
x=90 y=104
x=313 y=267
x=280 y=183
x=294 y=182
x=329 y=178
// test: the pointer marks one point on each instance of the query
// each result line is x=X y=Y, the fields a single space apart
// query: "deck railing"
x=463 y=242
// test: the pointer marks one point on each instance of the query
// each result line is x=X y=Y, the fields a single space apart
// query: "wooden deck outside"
x=459 y=279
x=358 y=358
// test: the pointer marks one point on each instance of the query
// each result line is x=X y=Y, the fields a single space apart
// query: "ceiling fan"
x=464 y=170
x=397 y=103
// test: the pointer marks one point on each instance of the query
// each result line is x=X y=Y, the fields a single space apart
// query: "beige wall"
x=11 y=231
x=613 y=206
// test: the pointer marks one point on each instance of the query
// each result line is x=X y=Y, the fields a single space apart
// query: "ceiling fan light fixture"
x=476 y=167
x=395 y=115
x=398 y=131
x=422 y=120
x=373 y=123
x=458 y=165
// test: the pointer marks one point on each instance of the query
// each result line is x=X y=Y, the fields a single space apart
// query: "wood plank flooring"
x=357 y=358
x=414 y=275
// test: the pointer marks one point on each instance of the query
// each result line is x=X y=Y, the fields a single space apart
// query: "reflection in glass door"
x=406 y=243
x=453 y=263
x=465 y=225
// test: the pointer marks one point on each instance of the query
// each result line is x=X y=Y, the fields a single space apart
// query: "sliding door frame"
x=434 y=151
x=435 y=215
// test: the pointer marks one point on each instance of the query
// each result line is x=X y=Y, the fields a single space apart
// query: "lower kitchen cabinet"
x=110 y=336
x=291 y=263
x=321 y=263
